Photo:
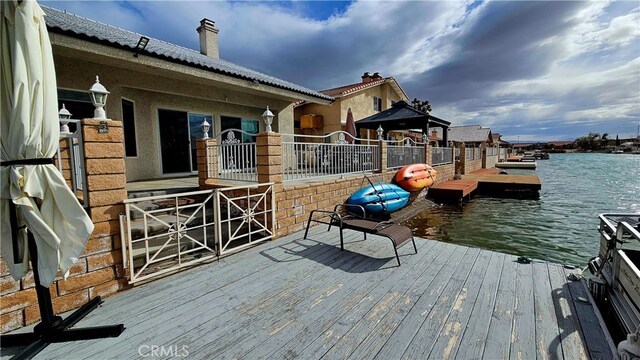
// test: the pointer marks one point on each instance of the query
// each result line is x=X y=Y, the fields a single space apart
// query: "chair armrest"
x=332 y=214
x=350 y=206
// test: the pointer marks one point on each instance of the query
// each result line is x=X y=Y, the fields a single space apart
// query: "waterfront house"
x=163 y=92
x=372 y=95
x=471 y=135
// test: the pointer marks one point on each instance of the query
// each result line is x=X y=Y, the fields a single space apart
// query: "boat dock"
x=305 y=299
x=488 y=182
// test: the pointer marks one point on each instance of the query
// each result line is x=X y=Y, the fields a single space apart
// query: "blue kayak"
x=380 y=198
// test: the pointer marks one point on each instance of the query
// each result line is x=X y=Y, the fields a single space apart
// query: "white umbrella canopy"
x=30 y=130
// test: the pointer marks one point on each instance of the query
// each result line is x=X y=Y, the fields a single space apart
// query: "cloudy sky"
x=533 y=71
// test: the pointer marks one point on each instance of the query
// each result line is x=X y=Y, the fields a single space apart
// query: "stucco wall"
x=150 y=93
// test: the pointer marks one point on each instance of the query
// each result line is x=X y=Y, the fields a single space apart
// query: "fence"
x=313 y=156
x=441 y=156
x=403 y=152
x=492 y=151
x=76 y=162
x=235 y=152
x=162 y=234
x=477 y=153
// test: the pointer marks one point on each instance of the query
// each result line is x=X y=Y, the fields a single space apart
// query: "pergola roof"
x=401 y=116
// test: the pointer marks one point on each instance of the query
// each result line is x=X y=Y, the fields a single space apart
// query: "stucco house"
x=163 y=92
x=373 y=94
x=470 y=135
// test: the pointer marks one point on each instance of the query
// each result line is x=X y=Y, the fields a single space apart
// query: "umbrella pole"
x=53 y=328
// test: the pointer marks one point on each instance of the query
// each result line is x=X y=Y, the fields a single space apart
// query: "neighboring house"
x=497 y=139
x=368 y=97
x=470 y=135
x=163 y=92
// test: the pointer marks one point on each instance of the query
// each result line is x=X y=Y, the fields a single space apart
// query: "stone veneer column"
x=207 y=159
x=483 y=146
x=382 y=146
x=427 y=154
x=460 y=167
x=269 y=157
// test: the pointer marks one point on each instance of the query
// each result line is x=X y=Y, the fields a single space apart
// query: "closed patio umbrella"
x=351 y=126
x=40 y=214
x=30 y=131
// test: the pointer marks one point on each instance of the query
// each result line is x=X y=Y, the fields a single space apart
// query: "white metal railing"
x=246 y=216
x=468 y=154
x=234 y=159
x=76 y=162
x=314 y=156
x=404 y=152
x=503 y=154
x=162 y=234
x=492 y=151
x=441 y=156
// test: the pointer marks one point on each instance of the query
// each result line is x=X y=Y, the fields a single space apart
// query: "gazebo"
x=402 y=116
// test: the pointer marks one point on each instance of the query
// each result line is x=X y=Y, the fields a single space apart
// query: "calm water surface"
x=560 y=226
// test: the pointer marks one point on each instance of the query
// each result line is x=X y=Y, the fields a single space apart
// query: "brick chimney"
x=366 y=77
x=208 y=38
x=434 y=134
x=376 y=76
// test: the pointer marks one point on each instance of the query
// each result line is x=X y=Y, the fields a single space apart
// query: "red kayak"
x=415 y=177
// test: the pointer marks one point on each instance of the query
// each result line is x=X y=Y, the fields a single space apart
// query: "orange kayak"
x=415 y=177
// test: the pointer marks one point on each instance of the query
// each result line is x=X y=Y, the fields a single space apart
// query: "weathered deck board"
x=306 y=299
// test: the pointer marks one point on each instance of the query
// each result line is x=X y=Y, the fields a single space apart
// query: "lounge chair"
x=398 y=234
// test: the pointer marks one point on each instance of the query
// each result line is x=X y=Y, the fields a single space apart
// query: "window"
x=78 y=103
x=129 y=126
x=377 y=103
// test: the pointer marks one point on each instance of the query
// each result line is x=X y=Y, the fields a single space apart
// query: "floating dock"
x=486 y=182
x=516 y=165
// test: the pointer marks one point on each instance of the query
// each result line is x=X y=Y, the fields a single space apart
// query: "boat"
x=415 y=177
x=516 y=165
x=615 y=280
x=541 y=155
x=380 y=198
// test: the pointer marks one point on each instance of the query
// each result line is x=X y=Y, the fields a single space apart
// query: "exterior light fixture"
x=424 y=137
x=267 y=115
x=205 y=126
x=142 y=43
x=64 y=116
x=99 y=99
x=380 y=131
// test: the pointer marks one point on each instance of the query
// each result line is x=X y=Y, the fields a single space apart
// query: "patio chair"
x=398 y=234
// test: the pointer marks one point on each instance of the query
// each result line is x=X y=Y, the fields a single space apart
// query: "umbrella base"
x=45 y=334
x=52 y=328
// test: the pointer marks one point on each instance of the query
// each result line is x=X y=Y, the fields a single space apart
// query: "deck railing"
x=468 y=154
x=76 y=162
x=441 y=156
x=313 y=156
x=235 y=152
x=165 y=233
x=404 y=152
x=477 y=153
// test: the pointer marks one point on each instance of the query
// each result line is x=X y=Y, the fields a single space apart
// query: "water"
x=560 y=226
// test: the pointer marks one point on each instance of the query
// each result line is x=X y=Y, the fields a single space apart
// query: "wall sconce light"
x=424 y=137
x=380 y=131
x=64 y=115
x=205 y=126
x=267 y=115
x=142 y=43
x=99 y=99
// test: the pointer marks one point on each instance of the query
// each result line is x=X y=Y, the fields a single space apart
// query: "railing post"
x=460 y=166
x=207 y=160
x=269 y=157
x=428 y=157
x=382 y=155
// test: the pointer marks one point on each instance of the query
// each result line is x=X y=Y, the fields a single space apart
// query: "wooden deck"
x=306 y=299
x=453 y=190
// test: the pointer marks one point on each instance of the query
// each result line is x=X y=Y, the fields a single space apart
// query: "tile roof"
x=468 y=133
x=81 y=27
x=352 y=88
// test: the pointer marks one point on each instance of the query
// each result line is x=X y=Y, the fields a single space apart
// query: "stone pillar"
x=460 y=165
x=483 y=146
x=269 y=157
x=207 y=160
x=382 y=147
x=427 y=154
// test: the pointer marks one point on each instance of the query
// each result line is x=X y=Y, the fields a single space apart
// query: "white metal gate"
x=163 y=234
